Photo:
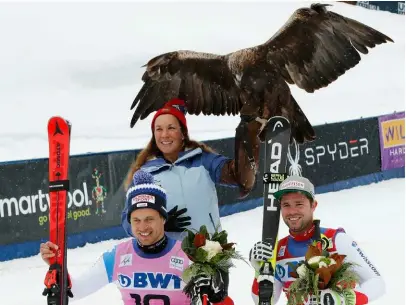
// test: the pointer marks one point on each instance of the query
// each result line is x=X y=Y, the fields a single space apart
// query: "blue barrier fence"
x=116 y=163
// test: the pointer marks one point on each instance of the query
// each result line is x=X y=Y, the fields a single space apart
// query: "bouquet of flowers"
x=321 y=270
x=209 y=254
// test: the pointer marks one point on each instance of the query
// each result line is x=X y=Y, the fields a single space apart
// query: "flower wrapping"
x=321 y=270
x=209 y=254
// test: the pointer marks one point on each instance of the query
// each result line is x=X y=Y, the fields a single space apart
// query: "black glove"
x=213 y=286
x=175 y=223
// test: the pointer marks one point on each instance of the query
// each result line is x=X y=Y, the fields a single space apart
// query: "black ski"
x=275 y=161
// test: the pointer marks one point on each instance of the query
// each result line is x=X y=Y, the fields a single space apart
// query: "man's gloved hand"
x=260 y=253
x=213 y=286
x=175 y=223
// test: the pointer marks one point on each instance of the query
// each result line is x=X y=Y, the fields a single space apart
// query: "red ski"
x=56 y=281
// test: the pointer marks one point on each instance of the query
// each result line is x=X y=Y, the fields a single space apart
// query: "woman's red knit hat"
x=176 y=107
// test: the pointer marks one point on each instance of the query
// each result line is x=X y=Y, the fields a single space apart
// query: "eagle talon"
x=263 y=123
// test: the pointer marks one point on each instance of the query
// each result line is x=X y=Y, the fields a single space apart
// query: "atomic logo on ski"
x=57 y=129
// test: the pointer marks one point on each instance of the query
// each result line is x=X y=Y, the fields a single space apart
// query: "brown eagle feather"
x=312 y=49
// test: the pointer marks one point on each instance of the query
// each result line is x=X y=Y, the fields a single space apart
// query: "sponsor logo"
x=39 y=202
x=393 y=136
x=328 y=298
x=143 y=198
x=329 y=153
x=367 y=5
x=150 y=280
x=275 y=156
x=393 y=133
x=176 y=263
x=326 y=154
x=401 y=8
x=367 y=261
x=293 y=184
x=280 y=271
x=99 y=192
x=126 y=260
x=327 y=243
x=281 y=251
x=285 y=267
x=295 y=169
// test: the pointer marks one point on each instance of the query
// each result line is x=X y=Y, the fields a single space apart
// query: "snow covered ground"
x=82 y=61
x=373 y=215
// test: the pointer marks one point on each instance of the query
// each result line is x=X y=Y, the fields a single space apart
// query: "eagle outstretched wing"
x=203 y=80
x=311 y=50
x=316 y=46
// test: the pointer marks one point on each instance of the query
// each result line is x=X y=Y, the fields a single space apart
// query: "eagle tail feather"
x=302 y=130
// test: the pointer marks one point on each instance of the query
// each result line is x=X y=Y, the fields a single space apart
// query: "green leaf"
x=186 y=245
x=203 y=230
x=190 y=236
x=345 y=275
x=215 y=236
x=221 y=237
x=201 y=255
x=191 y=271
x=187 y=274
x=217 y=258
x=207 y=269
x=349 y=296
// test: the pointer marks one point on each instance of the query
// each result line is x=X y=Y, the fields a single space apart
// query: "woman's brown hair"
x=151 y=151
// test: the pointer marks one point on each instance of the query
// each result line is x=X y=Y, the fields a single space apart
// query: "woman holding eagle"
x=311 y=51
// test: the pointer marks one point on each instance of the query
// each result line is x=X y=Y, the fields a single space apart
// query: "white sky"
x=82 y=61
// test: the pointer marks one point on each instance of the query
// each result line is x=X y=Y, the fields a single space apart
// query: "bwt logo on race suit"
x=31 y=204
x=150 y=280
x=337 y=151
x=285 y=267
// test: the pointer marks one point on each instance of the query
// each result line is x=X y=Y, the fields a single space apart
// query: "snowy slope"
x=82 y=61
x=373 y=215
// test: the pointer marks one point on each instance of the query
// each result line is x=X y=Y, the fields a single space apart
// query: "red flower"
x=199 y=240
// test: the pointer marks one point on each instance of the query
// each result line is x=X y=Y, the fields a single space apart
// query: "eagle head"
x=158 y=64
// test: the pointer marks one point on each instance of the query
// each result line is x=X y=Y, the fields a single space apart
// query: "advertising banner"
x=341 y=151
x=392 y=140
x=95 y=199
x=397 y=7
x=96 y=196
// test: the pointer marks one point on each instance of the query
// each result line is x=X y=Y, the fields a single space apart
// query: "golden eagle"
x=311 y=50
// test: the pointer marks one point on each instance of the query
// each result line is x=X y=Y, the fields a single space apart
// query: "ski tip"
x=59 y=119
x=57 y=124
x=279 y=118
